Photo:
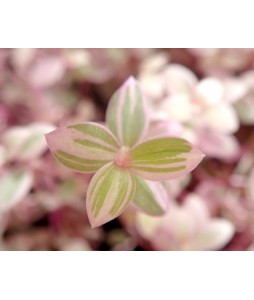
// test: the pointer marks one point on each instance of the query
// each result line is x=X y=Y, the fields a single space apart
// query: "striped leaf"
x=164 y=158
x=150 y=197
x=127 y=115
x=109 y=193
x=83 y=147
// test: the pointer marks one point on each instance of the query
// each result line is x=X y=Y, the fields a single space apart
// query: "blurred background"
x=203 y=95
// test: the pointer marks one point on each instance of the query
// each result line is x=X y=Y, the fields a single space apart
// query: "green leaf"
x=83 y=147
x=164 y=158
x=150 y=197
x=14 y=186
x=127 y=115
x=109 y=193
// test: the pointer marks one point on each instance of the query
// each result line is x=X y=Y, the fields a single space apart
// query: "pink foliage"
x=204 y=96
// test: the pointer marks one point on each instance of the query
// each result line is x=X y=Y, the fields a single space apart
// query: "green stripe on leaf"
x=93 y=145
x=127 y=115
x=164 y=158
x=77 y=163
x=159 y=170
x=110 y=191
x=95 y=130
x=160 y=148
x=83 y=147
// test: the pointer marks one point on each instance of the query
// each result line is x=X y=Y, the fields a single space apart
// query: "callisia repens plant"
x=128 y=167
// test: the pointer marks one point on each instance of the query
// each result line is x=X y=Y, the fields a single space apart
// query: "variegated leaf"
x=150 y=197
x=83 y=147
x=127 y=115
x=164 y=158
x=110 y=191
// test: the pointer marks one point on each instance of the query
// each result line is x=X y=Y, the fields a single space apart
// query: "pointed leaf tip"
x=83 y=147
x=131 y=80
x=164 y=158
x=109 y=193
x=127 y=113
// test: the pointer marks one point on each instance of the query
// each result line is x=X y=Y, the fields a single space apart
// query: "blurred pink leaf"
x=245 y=109
x=22 y=58
x=78 y=58
x=179 y=79
x=26 y=142
x=186 y=227
x=163 y=129
x=214 y=235
x=74 y=244
x=150 y=77
x=222 y=146
x=46 y=71
x=209 y=91
x=14 y=186
x=177 y=107
x=224 y=112
x=197 y=209
x=234 y=89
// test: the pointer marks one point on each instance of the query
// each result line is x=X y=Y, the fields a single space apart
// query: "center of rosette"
x=123 y=157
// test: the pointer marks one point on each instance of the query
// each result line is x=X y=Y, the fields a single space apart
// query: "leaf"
x=164 y=128
x=164 y=158
x=196 y=208
x=209 y=91
x=14 y=186
x=219 y=145
x=46 y=71
x=151 y=197
x=26 y=142
x=214 y=235
x=127 y=115
x=110 y=191
x=176 y=107
x=209 y=119
x=83 y=147
x=179 y=79
x=147 y=226
x=245 y=110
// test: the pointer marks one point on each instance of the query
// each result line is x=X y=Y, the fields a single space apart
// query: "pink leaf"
x=214 y=235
